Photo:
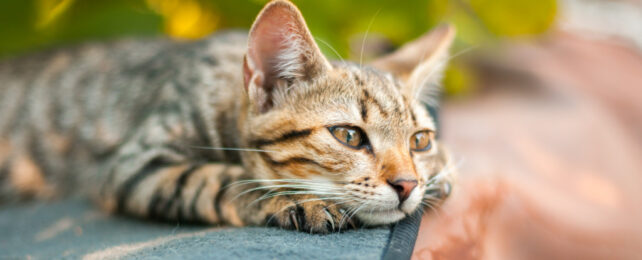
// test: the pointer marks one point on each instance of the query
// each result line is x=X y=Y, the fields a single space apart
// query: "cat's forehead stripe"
x=380 y=91
x=370 y=99
x=408 y=110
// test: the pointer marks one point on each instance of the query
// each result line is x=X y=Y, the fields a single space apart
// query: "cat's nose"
x=403 y=187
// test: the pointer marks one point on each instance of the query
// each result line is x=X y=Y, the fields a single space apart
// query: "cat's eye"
x=348 y=135
x=421 y=141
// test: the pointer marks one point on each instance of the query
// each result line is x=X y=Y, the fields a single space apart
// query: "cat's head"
x=357 y=135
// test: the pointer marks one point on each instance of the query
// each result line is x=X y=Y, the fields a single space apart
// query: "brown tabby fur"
x=196 y=132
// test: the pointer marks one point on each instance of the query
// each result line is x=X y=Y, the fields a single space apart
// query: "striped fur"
x=196 y=132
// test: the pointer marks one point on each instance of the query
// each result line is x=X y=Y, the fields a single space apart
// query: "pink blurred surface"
x=550 y=164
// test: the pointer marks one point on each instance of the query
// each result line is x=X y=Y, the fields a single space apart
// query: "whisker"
x=307 y=188
x=296 y=186
x=272 y=195
x=433 y=208
x=268 y=181
x=463 y=51
x=344 y=217
x=432 y=200
x=232 y=149
x=342 y=199
x=365 y=37
x=276 y=194
x=447 y=169
x=331 y=48
x=279 y=180
x=262 y=197
x=436 y=207
x=349 y=216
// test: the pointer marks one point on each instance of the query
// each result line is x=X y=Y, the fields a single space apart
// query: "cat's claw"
x=317 y=216
x=330 y=219
x=294 y=219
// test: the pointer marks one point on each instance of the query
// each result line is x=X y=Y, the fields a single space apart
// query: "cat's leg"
x=166 y=188
x=156 y=175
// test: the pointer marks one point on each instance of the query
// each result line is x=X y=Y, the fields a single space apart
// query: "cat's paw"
x=309 y=214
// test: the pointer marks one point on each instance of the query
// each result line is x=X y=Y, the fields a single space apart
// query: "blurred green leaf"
x=458 y=80
x=515 y=18
x=341 y=28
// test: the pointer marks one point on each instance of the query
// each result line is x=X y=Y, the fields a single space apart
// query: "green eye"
x=347 y=135
x=421 y=141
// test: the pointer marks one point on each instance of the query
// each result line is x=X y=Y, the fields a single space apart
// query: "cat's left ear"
x=421 y=62
x=281 y=51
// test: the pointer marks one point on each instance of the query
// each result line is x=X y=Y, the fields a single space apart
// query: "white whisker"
x=278 y=180
x=331 y=48
x=351 y=214
x=232 y=149
x=271 y=181
x=445 y=171
x=308 y=189
x=433 y=207
x=272 y=195
x=281 y=193
x=365 y=37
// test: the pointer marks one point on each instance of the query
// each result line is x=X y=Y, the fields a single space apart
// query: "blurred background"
x=542 y=107
x=340 y=27
x=356 y=30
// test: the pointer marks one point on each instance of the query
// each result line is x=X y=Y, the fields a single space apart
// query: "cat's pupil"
x=349 y=136
x=421 y=141
x=421 y=138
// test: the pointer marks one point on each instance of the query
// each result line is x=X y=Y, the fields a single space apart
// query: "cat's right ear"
x=421 y=62
x=281 y=51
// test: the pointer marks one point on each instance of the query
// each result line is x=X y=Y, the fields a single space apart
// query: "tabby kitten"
x=216 y=132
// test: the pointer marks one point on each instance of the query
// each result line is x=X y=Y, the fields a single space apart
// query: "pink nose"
x=403 y=188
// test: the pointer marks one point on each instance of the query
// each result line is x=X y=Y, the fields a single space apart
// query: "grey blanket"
x=75 y=229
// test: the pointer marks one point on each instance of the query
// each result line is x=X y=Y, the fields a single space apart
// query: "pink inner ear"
x=280 y=47
x=270 y=39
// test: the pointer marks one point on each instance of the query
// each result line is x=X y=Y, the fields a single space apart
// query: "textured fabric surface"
x=75 y=229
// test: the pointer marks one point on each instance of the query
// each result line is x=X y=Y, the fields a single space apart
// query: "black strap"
x=402 y=237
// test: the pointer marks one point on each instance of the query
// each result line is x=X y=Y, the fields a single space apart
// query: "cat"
x=235 y=129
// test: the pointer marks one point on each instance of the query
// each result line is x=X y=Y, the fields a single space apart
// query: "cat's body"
x=195 y=131
x=68 y=110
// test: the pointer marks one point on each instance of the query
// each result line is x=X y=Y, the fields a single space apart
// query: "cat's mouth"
x=381 y=217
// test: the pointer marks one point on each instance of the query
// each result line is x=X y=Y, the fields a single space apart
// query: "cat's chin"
x=381 y=217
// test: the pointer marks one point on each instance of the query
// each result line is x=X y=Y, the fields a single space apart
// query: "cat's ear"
x=281 y=51
x=421 y=62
